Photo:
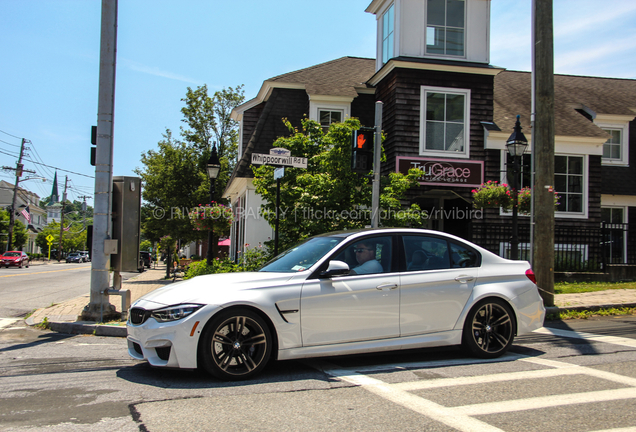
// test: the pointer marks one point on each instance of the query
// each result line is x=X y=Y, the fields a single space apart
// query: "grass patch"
x=585 y=314
x=583 y=287
x=44 y=324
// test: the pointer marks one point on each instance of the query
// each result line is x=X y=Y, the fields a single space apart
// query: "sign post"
x=49 y=240
x=278 y=157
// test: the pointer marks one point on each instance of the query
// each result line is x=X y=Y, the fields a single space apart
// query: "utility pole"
x=18 y=173
x=99 y=307
x=543 y=140
x=59 y=251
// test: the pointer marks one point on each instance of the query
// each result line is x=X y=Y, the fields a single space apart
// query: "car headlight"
x=174 y=313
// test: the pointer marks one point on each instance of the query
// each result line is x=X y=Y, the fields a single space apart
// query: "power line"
x=7 y=133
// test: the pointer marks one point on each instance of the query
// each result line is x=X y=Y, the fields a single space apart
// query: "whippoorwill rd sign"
x=279 y=157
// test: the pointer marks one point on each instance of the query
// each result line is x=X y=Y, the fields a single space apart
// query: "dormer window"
x=445 y=27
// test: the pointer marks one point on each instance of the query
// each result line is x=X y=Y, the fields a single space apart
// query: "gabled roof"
x=343 y=77
x=602 y=96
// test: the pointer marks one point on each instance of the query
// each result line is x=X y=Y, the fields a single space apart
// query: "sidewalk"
x=63 y=317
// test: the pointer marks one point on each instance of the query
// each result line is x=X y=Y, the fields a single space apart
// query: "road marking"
x=545 y=402
x=588 y=336
x=428 y=408
x=462 y=417
x=28 y=274
x=6 y=322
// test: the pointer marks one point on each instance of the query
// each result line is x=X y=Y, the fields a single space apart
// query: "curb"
x=554 y=310
x=88 y=328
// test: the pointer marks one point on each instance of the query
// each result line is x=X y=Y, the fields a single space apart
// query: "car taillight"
x=531 y=276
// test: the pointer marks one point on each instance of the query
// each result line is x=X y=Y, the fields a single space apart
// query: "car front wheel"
x=489 y=329
x=236 y=345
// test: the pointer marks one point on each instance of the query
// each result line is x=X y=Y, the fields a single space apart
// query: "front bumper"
x=168 y=344
x=10 y=263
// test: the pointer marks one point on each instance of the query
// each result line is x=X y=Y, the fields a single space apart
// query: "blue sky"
x=50 y=60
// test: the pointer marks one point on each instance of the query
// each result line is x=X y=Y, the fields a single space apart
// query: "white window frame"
x=445 y=153
x=388 y=49
x=624 y=129
x=317 y=104
x=585 y=193
x=426 y=34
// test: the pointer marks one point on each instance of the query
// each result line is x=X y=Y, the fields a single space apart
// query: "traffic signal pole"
x=377 y=143
x=99 y=308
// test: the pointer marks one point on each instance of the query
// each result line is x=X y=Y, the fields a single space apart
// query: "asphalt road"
x=26 y=289
x=581 y=379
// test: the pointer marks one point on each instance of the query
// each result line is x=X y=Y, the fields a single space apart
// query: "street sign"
x=292 y=161
x=50 y=238
x=279 y=173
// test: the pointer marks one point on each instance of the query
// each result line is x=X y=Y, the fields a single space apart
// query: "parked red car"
x=14 y=258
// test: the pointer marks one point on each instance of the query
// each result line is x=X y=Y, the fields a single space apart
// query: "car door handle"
x=387 y=286
x=464 y=278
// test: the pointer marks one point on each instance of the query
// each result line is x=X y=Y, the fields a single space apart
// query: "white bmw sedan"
x=340 y=293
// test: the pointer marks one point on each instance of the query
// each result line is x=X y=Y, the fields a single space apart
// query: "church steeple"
x=54 y=194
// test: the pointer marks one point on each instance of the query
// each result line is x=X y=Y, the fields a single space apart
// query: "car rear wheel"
x=489 y=329
x=237 y=345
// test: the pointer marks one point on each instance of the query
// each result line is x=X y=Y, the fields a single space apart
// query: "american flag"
x=26 y=214
x=67 y=228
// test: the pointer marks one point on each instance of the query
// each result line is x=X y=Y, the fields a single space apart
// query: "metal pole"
x=514 y=241
x=100 y=278
x=210 y=253
x=277 y=216
x=375 y=196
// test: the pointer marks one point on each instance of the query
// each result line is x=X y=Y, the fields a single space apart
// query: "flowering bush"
x=492 y=194
x=252 y=260
x=215 y=216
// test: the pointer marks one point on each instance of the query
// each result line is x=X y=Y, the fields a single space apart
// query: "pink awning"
x=225 y=242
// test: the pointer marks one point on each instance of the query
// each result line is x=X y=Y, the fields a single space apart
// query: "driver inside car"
x=365 y=256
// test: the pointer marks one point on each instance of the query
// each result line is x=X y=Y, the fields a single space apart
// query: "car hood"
x=213 y=289
x=10 y=258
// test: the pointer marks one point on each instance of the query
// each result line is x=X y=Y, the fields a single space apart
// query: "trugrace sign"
x=444 y=172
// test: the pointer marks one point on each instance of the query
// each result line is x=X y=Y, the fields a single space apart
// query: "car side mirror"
x=335 y=268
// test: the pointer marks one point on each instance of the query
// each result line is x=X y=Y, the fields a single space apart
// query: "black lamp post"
x=214 y=166
x=516 y=145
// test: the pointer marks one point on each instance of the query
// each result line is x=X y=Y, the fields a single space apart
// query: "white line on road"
x=588 y=336
x=6 y=322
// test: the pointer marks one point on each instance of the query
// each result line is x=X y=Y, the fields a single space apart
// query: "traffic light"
x=94 y=142
x=362 y=150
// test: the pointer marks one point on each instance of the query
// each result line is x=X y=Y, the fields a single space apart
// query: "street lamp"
x=214 y=166
x=516 y=145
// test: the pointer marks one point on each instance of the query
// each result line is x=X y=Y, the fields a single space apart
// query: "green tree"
x=20 y=235
x=175 y=177
x=73 y=240
x=328 y=196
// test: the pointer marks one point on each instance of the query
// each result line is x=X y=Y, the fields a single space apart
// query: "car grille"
x=139 y=316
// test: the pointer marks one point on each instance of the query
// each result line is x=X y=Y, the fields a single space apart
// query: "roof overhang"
x=470 y=68
x=496 y=140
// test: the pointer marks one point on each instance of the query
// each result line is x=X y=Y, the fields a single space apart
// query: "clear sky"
x=50 y=63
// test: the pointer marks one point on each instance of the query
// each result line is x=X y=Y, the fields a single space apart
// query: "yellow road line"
x=26 y=274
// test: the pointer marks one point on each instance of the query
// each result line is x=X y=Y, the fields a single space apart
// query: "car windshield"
x=11 y=254
x=303 y=256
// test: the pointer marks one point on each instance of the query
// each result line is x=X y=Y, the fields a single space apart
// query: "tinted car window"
x=461 y=256
x=426 y=253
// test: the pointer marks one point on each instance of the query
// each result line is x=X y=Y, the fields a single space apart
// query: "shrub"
x=252 y=260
